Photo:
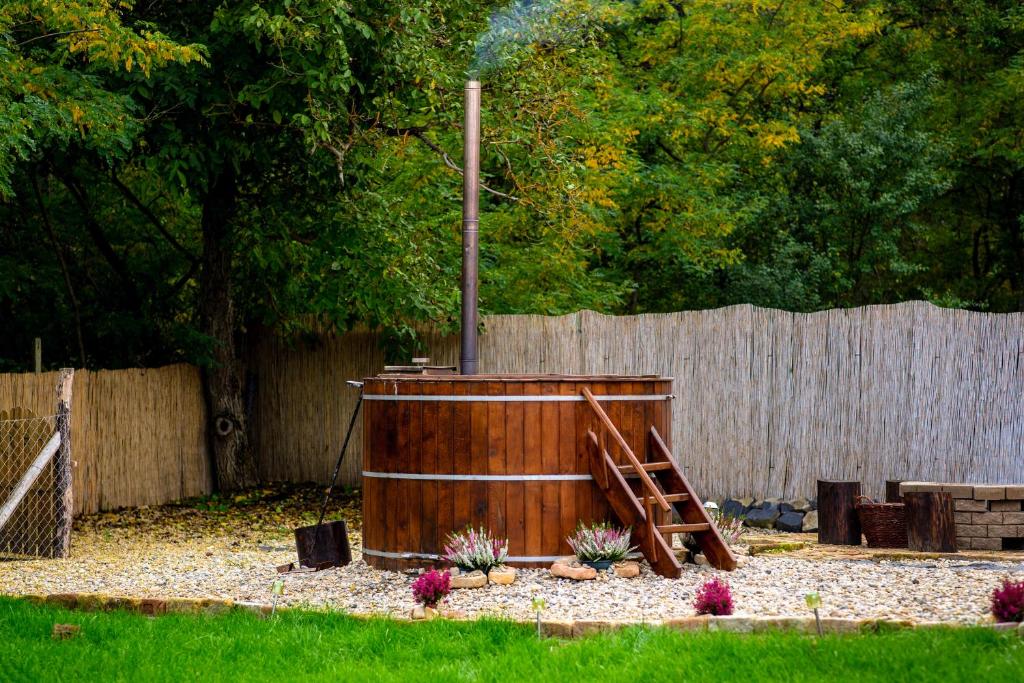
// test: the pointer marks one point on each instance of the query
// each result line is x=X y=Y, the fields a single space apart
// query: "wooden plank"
x=429 y=542
x=566 y=465
x=63 y=492
x=549 y=428
x=444 y=440
x=462 y=444
x=496 y=454
x=478 y=456
x=515 y=460
x=534 y=464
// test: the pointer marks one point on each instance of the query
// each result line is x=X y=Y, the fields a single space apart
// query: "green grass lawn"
x=302 y=646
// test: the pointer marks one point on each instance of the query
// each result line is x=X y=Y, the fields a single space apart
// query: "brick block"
x=965 y=491
x=970 y=505
x=962 y=517
x=1004 y=506
x=1002 y=531
x=971 y=531
x=989 y=492
x=919 y=486
x=987 y=518
x=1013 y=518
x=987 y=543
x=1015 y=492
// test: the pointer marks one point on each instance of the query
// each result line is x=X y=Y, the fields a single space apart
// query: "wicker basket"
x=883 y=524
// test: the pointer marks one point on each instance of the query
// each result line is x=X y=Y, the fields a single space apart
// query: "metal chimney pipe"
x=470 y=225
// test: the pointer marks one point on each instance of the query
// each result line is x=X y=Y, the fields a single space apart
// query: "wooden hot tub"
x=502 y=451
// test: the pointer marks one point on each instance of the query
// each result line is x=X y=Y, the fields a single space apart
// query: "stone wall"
x=988 y=516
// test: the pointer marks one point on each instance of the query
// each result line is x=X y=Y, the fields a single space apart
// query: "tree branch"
x=150 y=216
x=419 y=133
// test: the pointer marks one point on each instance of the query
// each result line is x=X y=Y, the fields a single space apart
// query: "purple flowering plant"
x=432 y=587
x=714 y=597
x=1008 y=601
x=600 y=542
x=475 y=549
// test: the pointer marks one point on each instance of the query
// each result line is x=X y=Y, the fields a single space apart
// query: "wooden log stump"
x=930 y=525
x=838 y=522
x=892 y=491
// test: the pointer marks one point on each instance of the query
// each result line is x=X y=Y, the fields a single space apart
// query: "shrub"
x=600 y=542
x=432 y=587
x=714 y=597
x=1008 y=601
x=475 y=549
x=730 y=527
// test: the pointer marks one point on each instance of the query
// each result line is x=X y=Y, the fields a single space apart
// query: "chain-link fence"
x=34 y=487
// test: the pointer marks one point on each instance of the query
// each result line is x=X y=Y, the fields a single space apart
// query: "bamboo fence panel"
x=137 y=435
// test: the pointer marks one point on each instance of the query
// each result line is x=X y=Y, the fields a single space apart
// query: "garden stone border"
x=154 y=607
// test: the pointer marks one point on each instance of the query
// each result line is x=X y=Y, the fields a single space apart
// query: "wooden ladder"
x=664 y=490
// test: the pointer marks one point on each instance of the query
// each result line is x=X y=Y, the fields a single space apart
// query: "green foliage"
x=643 y=156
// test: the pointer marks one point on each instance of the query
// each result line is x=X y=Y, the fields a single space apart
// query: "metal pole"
x=470 y=225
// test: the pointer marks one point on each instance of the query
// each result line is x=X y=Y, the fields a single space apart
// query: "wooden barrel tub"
x=507 y=452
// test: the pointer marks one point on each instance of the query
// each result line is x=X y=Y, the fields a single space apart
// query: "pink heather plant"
x=1008 y=601
x=714 y=598
x=432 y=587
x=475 y=549
x=599 y=542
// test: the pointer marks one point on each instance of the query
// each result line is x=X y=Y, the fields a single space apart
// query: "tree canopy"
x=177 y=179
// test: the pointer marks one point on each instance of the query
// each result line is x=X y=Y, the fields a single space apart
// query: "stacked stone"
x=987 y=516
x=799 y=514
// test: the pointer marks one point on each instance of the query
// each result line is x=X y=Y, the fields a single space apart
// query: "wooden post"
x=892 y=491
x=38 y=348
x=63 y=500
x=838 y=522
x=930 y=522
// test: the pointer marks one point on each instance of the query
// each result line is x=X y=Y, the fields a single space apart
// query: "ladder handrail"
x=611 y=429
x=659 y=444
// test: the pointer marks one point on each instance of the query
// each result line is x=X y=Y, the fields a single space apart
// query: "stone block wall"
x=987 y=516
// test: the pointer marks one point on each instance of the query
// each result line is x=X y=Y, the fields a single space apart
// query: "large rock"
x=627 y=569
x=564 y=570
x=810 y=522
x=762 y=518
x=801 y=504
x=733 y=508
x=791 y=521
x=785 y=507
x=503 y=576
x=474 y=579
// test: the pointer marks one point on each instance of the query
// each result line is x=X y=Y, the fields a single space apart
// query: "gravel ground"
x=221 y=555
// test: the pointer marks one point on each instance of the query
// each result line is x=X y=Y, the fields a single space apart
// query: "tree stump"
x=930 y=526
x=892 y=491
x=838 y=522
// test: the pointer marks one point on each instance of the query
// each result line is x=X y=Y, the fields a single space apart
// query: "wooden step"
x=670 y=497
x=684 y=528
x=648 y=467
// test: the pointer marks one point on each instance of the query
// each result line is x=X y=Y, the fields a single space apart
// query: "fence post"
x=62 y=466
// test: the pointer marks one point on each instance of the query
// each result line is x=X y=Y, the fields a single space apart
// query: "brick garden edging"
x=558 y=629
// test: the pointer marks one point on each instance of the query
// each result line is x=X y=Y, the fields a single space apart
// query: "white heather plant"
x=600 y=542
x=475 y=549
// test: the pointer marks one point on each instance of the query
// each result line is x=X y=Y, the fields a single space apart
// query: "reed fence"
x=766 y=401
x=138 y=435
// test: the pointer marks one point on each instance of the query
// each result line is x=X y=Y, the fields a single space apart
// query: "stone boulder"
x=810 y=522
x=791 y=521
x=503 y=576
x=801 y=504
x=627 y=569
x=763 y=517
x=785 y=507
x=734 y=508
x=473 y=579
x=576 y=572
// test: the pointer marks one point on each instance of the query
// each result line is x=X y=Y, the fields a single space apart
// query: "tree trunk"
x=233 y=464
x=930 y=522
x=838 y=522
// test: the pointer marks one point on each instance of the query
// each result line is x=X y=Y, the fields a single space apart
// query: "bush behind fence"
x=766 y=401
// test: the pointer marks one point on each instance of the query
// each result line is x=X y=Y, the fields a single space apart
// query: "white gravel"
x=928 y=590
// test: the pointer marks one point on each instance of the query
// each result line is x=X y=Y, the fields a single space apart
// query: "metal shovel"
x=323 y=546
